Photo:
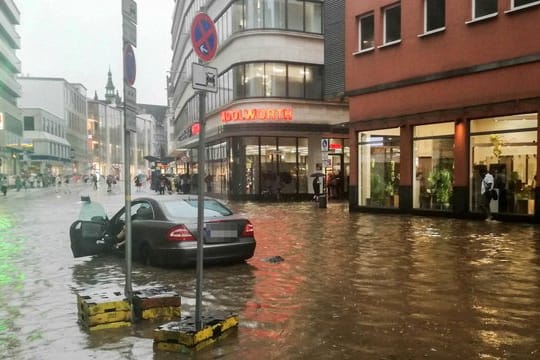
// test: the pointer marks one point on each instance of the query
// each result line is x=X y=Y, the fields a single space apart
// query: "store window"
x=483 y=8
x=433 y=169
x=269 y=166
x=434 y=15
x=217 y=169
x=366 y=26
x=392 y=24
x=302 y=165
x=506 y=147
x=378 y=164
x=288 y=169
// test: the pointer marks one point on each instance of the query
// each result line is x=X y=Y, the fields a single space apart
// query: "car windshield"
x=188 y=208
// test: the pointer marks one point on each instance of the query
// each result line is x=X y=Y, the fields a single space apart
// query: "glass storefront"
x=433 y=170
x=263 y=166
x=268 y=166
x=378 y=164
x=506 y=147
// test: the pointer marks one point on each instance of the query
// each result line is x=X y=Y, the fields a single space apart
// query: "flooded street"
x=351 y=286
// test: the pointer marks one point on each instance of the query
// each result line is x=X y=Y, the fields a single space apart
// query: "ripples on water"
x=352 y=286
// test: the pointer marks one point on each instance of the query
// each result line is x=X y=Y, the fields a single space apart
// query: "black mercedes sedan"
x=164 y=231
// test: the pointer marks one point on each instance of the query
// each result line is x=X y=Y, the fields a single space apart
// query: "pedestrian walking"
x=94 y=181
x=4 y=185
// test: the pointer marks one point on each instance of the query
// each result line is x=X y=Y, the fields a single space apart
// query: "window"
x=484 y=8
x=29 y=123
x=434 y=15
x=392 y=24
x=295 y=15
x=433 y=168
x=366 y=32
x=378 y=164
x=506 y=146
x=518 y=3
x=276 y=79
x=274 y=14
x=313 y=80
x=313 y=17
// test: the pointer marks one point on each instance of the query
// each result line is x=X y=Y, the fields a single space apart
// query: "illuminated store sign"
x=195 y=129
x=285 y=114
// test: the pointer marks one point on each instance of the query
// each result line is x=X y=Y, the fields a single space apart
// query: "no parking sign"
x=204 y=37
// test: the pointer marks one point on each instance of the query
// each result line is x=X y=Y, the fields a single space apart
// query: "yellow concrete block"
x=113 y=325
x=104 y=318
x=93 y=303
x=184 y=332
x=163 y=313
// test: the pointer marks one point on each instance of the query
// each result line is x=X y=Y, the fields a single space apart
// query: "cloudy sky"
x=79 y=40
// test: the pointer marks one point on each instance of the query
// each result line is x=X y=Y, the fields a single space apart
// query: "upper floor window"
x=392 y=23
x=434 y=15
x=29 y=123
x=484 y=8
x=366 y=32
x=518 y=3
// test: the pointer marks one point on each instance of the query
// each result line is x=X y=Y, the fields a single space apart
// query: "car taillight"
x=248 y=230
x=179 y=233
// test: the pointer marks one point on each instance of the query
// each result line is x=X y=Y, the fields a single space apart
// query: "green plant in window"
x=440 y=186
x=377 y=189
x=497 y=142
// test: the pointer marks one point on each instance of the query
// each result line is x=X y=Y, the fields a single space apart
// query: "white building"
x=67 y=101
x=265 y=123
x=11 y=127
x=46 y=150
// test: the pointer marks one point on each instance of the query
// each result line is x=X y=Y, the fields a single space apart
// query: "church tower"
x=110 y=94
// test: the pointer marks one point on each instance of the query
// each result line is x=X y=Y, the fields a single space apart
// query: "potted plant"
x=440 y=186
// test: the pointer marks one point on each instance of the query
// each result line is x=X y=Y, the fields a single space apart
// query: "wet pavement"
x=351 y=286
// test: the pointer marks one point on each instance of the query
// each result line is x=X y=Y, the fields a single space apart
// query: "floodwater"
x=351 y=286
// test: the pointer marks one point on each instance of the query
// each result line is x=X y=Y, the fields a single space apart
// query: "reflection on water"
x=352 y=286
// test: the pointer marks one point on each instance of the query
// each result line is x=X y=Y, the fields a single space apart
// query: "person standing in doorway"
x=485 y=192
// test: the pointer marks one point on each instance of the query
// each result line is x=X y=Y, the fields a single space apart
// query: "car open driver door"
x=88 y=233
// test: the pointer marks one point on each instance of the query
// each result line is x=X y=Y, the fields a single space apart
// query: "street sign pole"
x=129 y=37
x=200 y=210
x=204 y=40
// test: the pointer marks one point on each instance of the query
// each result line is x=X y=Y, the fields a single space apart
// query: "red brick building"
x=439 y=92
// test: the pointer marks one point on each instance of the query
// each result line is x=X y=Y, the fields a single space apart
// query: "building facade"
x=440 y=91
x=265 y=123
x=105 y=138
x=46 y=149
x=11 y=126
x=67 y=101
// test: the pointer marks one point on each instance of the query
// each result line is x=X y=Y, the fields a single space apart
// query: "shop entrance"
x=337 y=177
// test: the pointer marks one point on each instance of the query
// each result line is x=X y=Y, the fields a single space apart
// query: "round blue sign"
x=204 y=37
x=130 y=69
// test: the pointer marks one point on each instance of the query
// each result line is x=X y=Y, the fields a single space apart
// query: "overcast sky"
x=79 y=40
